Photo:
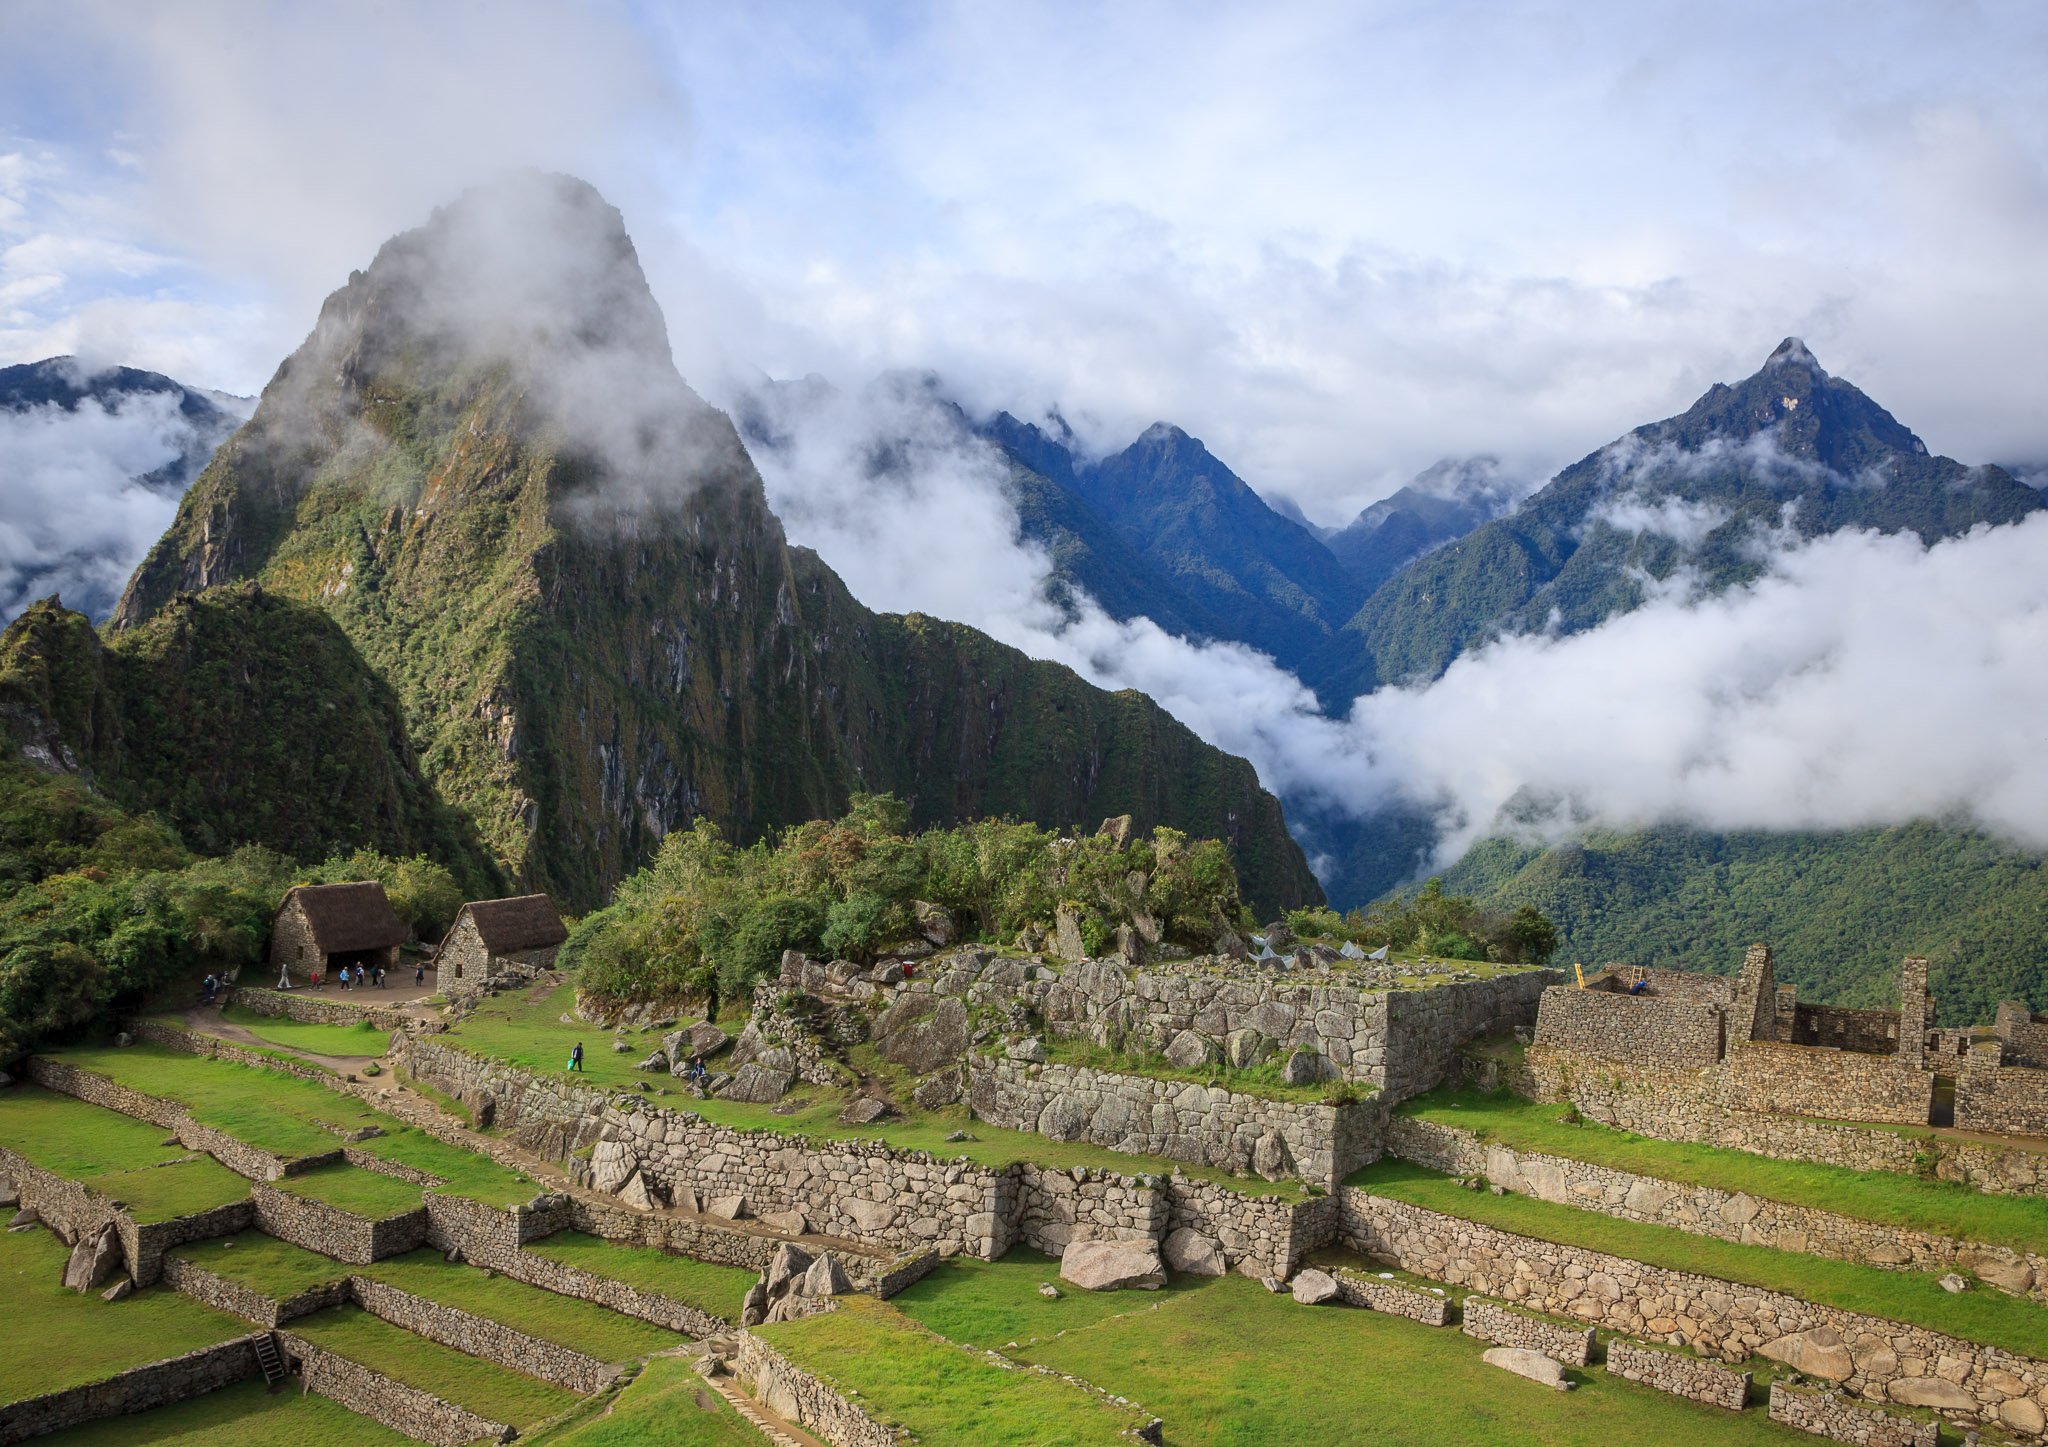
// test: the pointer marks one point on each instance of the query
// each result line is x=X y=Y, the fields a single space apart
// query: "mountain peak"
x=1792 y=352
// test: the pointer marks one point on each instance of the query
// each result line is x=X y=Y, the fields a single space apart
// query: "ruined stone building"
x=491 y=936
x=321 y=927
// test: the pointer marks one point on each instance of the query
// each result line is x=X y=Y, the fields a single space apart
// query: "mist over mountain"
x=1443 y=503
x=92 y=463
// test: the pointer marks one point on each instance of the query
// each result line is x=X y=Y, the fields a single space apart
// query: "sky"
x=1337 y=242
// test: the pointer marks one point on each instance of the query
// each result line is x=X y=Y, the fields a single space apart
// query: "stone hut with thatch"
x=321 y=927
x=492 y=936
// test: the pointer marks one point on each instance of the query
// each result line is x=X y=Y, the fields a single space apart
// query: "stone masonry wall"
x=313 y=1010
x=1055 y=1207
x=1670 y=1032
x=2022 y=1035
x=1272 y=1233
x=1680 y=1374
x=1355 y=1288
x=1765 y=1075
x=139 y=1389
x=74 y=1210
x=1709 y=1211
x=2007 y=1099
x=317 y=1226
x=236 y=1299
x=1877 y=1359
x=1181 y=1120
x=1506 y=1327
x=419 y=1415
x=797 y=1396
x=481 y=1337
x=1828 y=1414
x=1682 y=1105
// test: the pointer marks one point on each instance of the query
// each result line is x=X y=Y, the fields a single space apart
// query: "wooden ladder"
x=270 y=1359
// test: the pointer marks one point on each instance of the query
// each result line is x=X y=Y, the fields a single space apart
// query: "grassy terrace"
x=1227 y=1364
x=51 y=1338
x=587 y=1327
x=665 y=1406
x=483 y=1387
x=1941 y=1208
x=343 y=1040
x=702 y=1284
x=291 y=1117
x=529 y=1033
x=244 y=1415
x=359 y=1192
x=1913 y=1297
x=906 y=1374
x=267 y=1266
x=120 y=1158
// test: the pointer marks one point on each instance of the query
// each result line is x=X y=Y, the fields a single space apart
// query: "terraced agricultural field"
x=244 y=1415
x=483 y=1387
x=702 y=1284
x=110 y=1153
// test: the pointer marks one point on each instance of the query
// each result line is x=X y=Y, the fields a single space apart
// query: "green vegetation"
x=906 y=1374
x=483 y=1387
x=1941 y=1208
x=244 y=1415
x=667 y=1405
x=467 y=1173
x=1263 y=1081
x=702 y=1284
x=51 y=1338
x=120 y=1158
x=707 y=920
x=993 y=1303
x=349 y=1188
x=582 y=1325
x=1839 y=910
x=344 y=1040
x=265 y=1265
x=1990 y=1317
x=1436 y=925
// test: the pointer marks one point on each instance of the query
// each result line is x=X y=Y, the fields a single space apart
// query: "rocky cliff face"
x=483 y=467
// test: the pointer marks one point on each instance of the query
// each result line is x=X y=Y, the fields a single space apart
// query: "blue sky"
x=1336 y=241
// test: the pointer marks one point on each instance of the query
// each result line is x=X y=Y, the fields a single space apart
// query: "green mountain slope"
x=1839 y=910
x=485 y=470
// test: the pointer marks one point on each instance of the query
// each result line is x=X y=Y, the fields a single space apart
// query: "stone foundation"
x=1506 y=1327
x=139 y=1389
x=2006 y=1099
x=1828 y=1414
x=1691 y=1377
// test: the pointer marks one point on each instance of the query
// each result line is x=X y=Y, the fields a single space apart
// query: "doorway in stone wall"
x=1944 y=1111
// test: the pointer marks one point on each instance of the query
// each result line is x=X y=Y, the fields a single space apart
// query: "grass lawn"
x=244 y=1415
x=359 y=1039
x=1941 y=1208
x=485 y=1388
x=464 y=1172
x=1979 y=1315
x=667 y=1405
x=119 y=1157
x=1233 y=1365
x=906 y=1374
x=994 y=1303
x=702 y=1284
x=352 y=1189
x=263 y=1108
x=582 y=1325
x=265 y=1265
x=529 y=1033
x=51 y=1338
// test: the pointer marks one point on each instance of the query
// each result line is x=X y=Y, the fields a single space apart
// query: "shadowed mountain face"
x=483 y=467
x=1441 y=505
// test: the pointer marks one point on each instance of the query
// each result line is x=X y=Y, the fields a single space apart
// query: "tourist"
x=419 y=974
x=576 y=1058
x=344 y=977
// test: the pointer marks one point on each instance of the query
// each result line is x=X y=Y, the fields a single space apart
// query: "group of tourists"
x=351 y=977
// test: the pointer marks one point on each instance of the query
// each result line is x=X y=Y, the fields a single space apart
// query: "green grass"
x=360 y=1039
x=1941 y=1208
x=530 y=1034
x=702 y=1284
x=582 y=1325
x=463 y=1172
x=906 y=1374
x=51 y=1338
x=667 y=1405
x=244 y=1415
x=119 y=1157
x=354 y=1190
x=993 y=1303
x=1262 y=1081
x=1913 y=1297
x=1232 y=1365
x=265 y=1265
x=483 y=1387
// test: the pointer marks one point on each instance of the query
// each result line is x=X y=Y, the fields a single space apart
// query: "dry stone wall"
x=1679 y=1373
x=1828 y=1414
x=1877 y=1359
x=1765 y=1075
x=481 y=1337
x=798 y=1396
x=159 y=1384
x=2022 y=1035
x=1355 y=1288
x=1709 y=1211
x=1056 y=1207
x=2006 y=1099
x=313 y=1010
x=236 y=1299
x=1506 y=1327
x=1665 y=1031
x=1180 y=1120
x=419 y=1415
x=317 y=1226
x=1260 y=1235
x=73 y=1210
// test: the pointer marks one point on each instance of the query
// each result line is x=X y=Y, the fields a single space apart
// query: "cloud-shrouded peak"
x=1792 y=352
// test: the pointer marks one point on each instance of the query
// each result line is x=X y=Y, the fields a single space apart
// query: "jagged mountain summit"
x=1788 y=453
x=484 y=469
x=1442 y=504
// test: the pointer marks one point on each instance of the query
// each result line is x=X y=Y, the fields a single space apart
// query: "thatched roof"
x=347 y=917
x=513 y=926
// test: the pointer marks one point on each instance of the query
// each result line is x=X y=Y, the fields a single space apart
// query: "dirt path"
x=208 y=1020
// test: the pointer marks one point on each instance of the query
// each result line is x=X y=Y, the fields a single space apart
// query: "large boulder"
x=1113 y=1265
x=637 y=1192
x=1819 y=1352
x=1247 y=1047
x=1307 y=1067
x=1525 y=1363
x=932 y=1043
x=1066 y=936
x=758 y=1085
x=788 y=1264
x=940 y=1091
x=1270 y=1156
x=826 y=1278
x=1191 y=1253
x=1313 y=1288
x=702 y=1038
x=93 y=1259
x=1191 y=1050
x=934 y=923
x=754 y=1306
x=657 y=1061
x=863 y=1110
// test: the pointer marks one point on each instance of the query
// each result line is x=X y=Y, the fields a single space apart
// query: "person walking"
x=576 y=1058
x=419 y=974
